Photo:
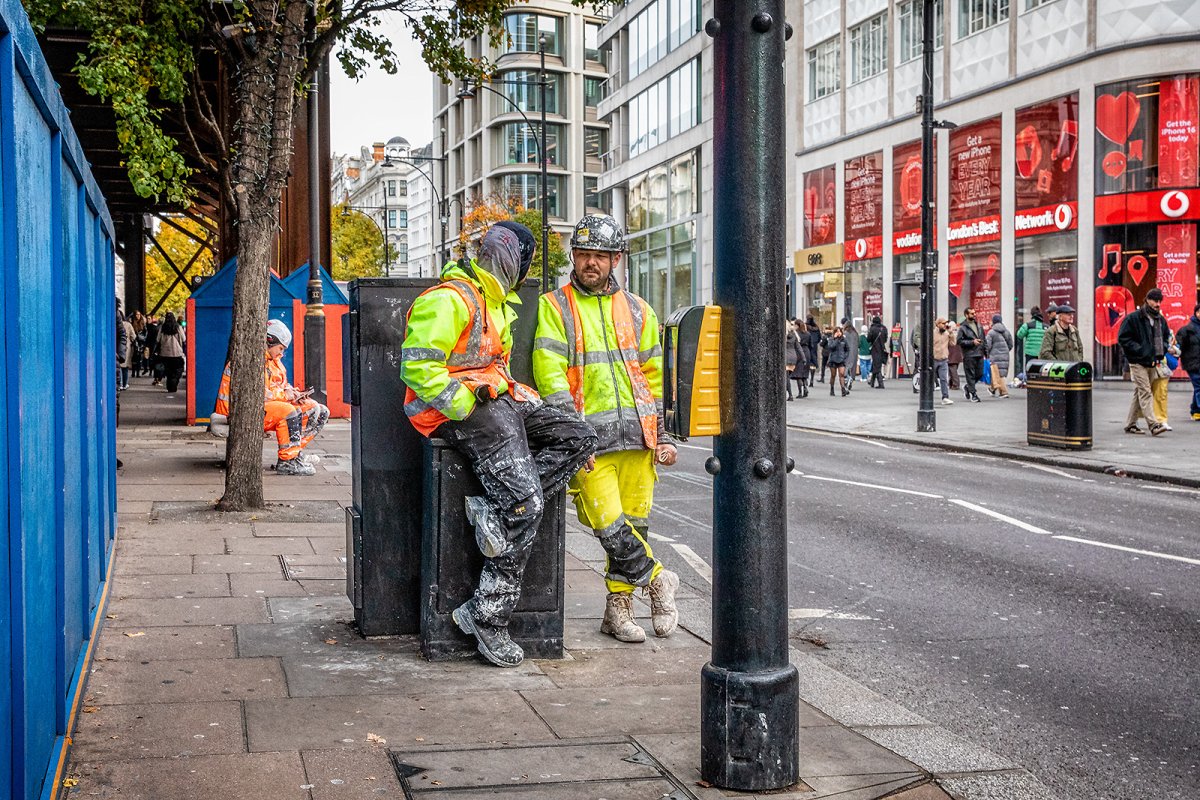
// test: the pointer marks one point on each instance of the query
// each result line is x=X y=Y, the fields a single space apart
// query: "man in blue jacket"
x=1188 y=338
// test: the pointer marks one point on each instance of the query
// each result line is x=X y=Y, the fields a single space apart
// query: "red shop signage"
x=1047 y=219
x=975 y=172
x=909 y=241
x=1178 y=131
x=864 y=207
x=1168 y=205
x=820 y=206
x=906 y=197
x=1177 y=271
x=984 y=229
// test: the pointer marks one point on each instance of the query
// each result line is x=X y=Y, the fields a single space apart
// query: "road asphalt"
x=936 y=642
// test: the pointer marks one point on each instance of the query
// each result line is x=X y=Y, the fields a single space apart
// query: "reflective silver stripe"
x=475 y=340
x=635 y=313
x=562 y=400
x=422 y=354
x=615 y=355
x=653 y=352
x=568 y=325
x=638 y=522
x=609 y=530
x=443 y=402
x=468 y=360
x=551 y=345
x=603 y=417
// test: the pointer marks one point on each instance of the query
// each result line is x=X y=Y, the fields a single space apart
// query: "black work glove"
x=483 y=393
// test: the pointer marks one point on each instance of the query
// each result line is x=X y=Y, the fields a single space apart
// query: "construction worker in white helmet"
x=597 y=354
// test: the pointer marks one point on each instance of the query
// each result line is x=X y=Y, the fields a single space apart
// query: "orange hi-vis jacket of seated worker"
x=277 y=408
x=478 y=357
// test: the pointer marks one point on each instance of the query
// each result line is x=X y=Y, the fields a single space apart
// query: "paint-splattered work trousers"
x=521 y=452
x=294 y=425
x=614 y=501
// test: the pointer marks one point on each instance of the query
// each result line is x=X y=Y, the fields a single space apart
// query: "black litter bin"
x=1059 y=406
x=451 y=562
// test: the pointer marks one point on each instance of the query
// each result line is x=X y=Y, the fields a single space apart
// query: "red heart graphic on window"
x=993 y=264
x=1113 y=303
x=1116 y=116
x=958 y=271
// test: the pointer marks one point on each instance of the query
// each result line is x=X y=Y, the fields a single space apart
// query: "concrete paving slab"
x=237 y=563
x=831 y=750
x=310 y=529
x=319 y=567
x=285 y=490
x=134 y=612
x=135 y=506
x=152 y=565
x=610 y=711
x=317 y=723
x=268 y=585
x=310 y=609
x=329 y=545
x=169 y=544
x=191 y=512
x=360 y=774
x=158 y=530
x=926 y=791
x=309 y=638
x=859 y=787
x=636 y=666
x=935 y=749
x=846 y=700
x=583 y=633
x=997 y=786
x=278 y=546
x=327 y=587
x=161 y=730
x=650 y=789
x=165 y=586
x=165 y=643
x=181 y=492
x=189 y=681
x=262 y=776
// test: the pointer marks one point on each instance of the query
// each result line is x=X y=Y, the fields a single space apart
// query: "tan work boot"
x=663 y=612
x=618 y=618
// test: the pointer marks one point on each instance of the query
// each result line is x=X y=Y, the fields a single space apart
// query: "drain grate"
x=614 y=768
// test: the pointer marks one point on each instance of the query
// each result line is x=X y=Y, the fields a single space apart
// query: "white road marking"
x=825 y=613
x=680 y=518
x=1175 y=489
x=867 y=485
x=1002 y=517
x=658 y=537
x=862 y=439
x=1151 y=553
x=1052 y=471
x=695 y=561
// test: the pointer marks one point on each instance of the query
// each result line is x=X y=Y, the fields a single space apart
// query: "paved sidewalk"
x=997 y=427
x=228 y=668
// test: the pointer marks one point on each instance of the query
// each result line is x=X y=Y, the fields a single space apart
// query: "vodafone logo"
x=1174 y=204
x=860 y=247
x=1063 y=215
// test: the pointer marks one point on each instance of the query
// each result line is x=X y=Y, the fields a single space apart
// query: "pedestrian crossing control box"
x=692 y=372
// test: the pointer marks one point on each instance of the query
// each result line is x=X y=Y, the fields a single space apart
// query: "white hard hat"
x=279 y=332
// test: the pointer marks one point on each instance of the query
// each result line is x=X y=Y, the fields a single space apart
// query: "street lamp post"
x=314 y=317
x=926 y=416
x=467 y=93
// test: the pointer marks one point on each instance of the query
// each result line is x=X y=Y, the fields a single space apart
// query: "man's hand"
x=666 y=454
x=590 y=464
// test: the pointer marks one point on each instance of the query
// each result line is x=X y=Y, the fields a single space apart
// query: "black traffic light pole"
x=749 y=738
x=926 y=416
x=314 y=318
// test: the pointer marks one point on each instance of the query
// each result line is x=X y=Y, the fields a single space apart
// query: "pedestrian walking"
x=171 y=344
x=839 y=356
x=877 y=337
x=801 y=373
x=864 y=354
x=814 y=348
x=130 y=349
x=139 y=336
x=826 y=335
x=998 y=345
x=1029 y=339
x=454 y=361
x=1144 y=338
x=791 y=354
x=956 y=355
x=1188 y=339
x=970 y=339
x=851 y=335
x=941 y=357
x=587 y=329
x=1061 y=341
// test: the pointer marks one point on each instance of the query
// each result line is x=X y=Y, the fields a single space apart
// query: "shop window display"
x=820 y=206
x=973 y=268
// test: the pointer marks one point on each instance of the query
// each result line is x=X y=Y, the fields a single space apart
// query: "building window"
x=403 y=218
x=979 y=15
x=663 y=241
x=526 y=189
x=520 y=87
x=593 y=91
x=666 y=109
x=823 y=69
x=391 y=218
x=868 y=49
x=660 y=28
x=595 y=200
x=595 y=143
x=402 y=188
x=591 y=43
x=520 y=143
x=402 y=249
x=1030 y=5
x=391 y=188
x=910 y=16
x=523 y=31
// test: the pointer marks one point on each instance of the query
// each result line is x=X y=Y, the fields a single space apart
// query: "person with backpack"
x=1029 y=337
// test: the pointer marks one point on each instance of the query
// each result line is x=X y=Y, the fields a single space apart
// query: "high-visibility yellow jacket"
x=439 y=363
x=607 y=369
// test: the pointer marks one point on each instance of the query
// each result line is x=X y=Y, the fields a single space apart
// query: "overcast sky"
x=379 y=106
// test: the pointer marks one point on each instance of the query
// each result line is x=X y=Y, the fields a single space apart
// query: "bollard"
x=749 y=737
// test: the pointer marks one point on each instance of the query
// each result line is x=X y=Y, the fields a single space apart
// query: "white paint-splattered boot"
x=663 y=612
x=618 y=619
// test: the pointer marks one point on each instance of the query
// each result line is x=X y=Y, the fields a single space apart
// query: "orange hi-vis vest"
x=222 y=405
x=478 y=359
x=276 y=384
x=628 y=342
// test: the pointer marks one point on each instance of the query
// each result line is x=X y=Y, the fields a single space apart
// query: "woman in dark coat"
x=879 y=337
x=839 y=356
x=814 y=347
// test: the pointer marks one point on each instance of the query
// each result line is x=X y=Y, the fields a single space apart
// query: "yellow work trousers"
x=614 y=500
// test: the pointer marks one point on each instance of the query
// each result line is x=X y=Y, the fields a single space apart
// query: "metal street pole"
x=545 y=182
x=749 y=691
x=926 y=416
x=387 y=247
x=314 y=317
x=446 y=206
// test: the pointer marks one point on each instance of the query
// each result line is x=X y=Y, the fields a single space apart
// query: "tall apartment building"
x=374 y=183
x=492 y=151
x=1071 y=177
x=425 y=251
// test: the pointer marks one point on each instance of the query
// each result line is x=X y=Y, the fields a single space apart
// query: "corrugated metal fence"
x=57 y=479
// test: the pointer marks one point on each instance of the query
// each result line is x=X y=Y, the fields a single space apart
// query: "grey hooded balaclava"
x=500 y=255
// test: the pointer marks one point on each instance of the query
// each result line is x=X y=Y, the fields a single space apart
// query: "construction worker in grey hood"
x=455 y=362
x=597 y=356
